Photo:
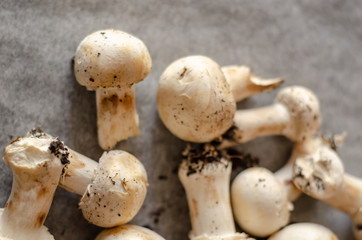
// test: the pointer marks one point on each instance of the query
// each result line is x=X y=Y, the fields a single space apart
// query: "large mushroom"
x=196 y=98
x=205 y=176
x=111 y=62
x=37 y=162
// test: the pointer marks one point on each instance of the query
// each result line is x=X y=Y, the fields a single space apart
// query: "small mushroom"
x=259 y=202
x=295 y=114
x=321 y=176
x=110 y=62
x=205 y=176
x=128 y=232
x=304 y=231
x=113 y=190
x=37 y=162
x=195 y=101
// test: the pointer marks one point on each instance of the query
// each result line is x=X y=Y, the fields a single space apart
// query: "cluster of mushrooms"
x=113 y=189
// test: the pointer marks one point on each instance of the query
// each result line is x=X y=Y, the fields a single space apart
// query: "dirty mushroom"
x=195 y=101
x=295 y=114
x=259 y=202
x=304 y=231
x=205 y=176
x=37 y=162
x=128 y=232
x=243 y=83
x=321 y=176
x=110 y=62
x=113 y=190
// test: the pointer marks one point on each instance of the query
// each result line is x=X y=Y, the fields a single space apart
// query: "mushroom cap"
x=303 y=107
x=128 y=232
x=259 y=202
x=319 y=174
x=194 y=99
x=117 y=191
x=111 y=59
x=304 y=231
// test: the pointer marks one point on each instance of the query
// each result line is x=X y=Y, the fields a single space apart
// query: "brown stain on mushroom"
x=109 y=104
x=194 y=209
x=40 y=220
x=42 y=192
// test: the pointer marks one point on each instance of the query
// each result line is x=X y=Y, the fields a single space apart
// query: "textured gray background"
x=317 y=44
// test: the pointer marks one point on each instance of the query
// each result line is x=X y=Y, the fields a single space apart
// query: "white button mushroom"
x=128 y=232
x=110 y=62
x=113 y=190
x=321 y=175
x=304 y=231
x=259 y=202
x=195 y=101
x=37 y=161
x=205 y=176
x=295 y=115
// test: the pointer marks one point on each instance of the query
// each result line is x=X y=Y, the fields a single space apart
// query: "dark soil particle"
x=199 y=155
x=58 y=149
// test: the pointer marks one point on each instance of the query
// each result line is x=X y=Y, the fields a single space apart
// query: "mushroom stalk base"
x=208 y=197
x=117 y=118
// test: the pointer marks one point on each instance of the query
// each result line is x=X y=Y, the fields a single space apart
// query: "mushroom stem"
x=348 y=198
x=295 y=114
x=206 y=180
x=117 y=118
x=37 y=163
x=78 y=174
x=244 y=84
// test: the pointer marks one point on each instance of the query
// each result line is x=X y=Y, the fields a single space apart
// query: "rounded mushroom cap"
x=117 y=191
x=128 y=232
x=304 y=231
x=111 y=59
x=319 y=174
x=303 y=107
x=194 y=99
x=259 y=202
